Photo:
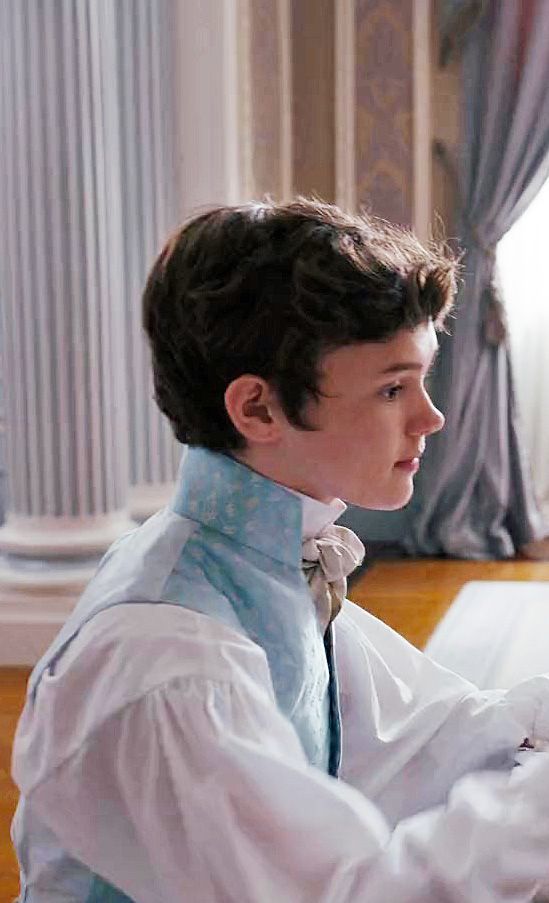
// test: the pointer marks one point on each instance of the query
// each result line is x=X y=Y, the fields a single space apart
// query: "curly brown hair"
x=268 y=289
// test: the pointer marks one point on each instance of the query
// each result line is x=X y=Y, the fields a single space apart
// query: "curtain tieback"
x=494 y=317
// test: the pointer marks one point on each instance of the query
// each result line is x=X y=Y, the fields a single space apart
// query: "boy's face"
x=371 y=430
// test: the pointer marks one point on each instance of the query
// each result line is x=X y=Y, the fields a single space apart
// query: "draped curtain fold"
x=474 y=495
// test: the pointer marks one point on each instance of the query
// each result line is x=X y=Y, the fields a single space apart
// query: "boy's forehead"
x=415 y=351
x=408 y=349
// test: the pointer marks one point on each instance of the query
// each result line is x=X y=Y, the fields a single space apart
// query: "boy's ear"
x=251 y=405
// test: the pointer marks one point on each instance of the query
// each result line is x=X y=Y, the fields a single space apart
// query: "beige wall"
x=269 y=97
x=313 y=107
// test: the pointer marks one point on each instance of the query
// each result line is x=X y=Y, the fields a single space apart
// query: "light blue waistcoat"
x=228 y=546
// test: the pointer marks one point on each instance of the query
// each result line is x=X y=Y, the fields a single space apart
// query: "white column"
x=181 y=146
x=210 y=37
x=63 y=326
x=146 y=47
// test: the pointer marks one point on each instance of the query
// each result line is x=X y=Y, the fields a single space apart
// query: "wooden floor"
x=12 y=692
x=411 y=596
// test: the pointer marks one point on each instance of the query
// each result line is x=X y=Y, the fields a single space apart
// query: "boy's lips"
x=409 y=464
x=415 y=456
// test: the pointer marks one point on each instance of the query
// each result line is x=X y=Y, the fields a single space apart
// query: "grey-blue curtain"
x=474 y=497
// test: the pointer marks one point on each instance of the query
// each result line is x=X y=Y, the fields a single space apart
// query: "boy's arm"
x=413 y=728
x=198 y=789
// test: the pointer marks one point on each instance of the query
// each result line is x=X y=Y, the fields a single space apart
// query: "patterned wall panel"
x=384 y=103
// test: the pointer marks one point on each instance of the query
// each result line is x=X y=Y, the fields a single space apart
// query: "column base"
x=35 y=600
x=146 y=499
x=62 y=537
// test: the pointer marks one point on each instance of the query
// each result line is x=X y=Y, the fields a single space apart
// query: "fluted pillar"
x=146 y=47
x=63 y=326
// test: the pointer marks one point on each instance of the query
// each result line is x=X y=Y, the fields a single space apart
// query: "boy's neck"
x=272 y=470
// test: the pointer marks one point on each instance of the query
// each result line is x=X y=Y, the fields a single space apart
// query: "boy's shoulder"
x=135 y=648
x=119 y=659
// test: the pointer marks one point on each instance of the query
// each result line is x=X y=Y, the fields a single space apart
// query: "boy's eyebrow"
x=407 y=365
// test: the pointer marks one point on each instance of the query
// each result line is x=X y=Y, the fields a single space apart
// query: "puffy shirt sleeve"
x=197 y=789
x=413 y=728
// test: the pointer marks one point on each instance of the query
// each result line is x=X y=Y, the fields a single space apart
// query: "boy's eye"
x=391 y=392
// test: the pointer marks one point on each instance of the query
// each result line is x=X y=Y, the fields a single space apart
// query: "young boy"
x=214 y=722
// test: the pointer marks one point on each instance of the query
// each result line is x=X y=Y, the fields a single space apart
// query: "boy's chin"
x=392 y=502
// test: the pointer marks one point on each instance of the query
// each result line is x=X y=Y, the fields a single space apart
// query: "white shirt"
x=161 y=725
x=195 y=787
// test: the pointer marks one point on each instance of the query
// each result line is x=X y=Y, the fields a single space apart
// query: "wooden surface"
x=12 y=693
x=411 y=596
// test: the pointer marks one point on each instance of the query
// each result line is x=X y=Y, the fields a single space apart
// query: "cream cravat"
x=327 y=560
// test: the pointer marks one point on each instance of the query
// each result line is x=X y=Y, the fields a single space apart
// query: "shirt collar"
x=225 y=495
x=316 y=516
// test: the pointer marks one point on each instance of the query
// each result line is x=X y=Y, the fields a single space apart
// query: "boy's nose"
x=429 y=421
x=437 y=418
